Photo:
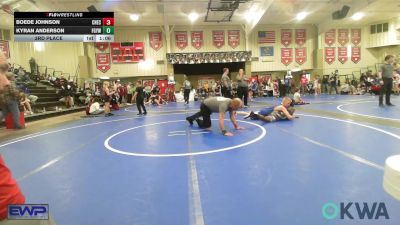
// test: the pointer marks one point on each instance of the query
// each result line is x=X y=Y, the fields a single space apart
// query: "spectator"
x=226 y=84
x=106 y=95
x=25 y=103
x=9 y=101
x=186 y=89
x=332 y=83
x=303 y=84
x=94 y=106
x=243 y=89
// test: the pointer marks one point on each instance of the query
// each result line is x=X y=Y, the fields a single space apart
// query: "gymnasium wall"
x=65 y=56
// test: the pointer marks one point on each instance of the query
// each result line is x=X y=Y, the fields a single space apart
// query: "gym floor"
x=157 y=170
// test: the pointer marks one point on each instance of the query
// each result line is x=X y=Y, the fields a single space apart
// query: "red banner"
x=218 y=37
x=103 y=62
x=102 y=46
x=233 y=38
x=286 y=56
x=355 y=36
x=329 y=55
x=181 y=39
x=286 y=37
x=300 y=36
x=330 y=37
x=355 y=54
x=343 y=36
x=301 y=55
x=197 y=39
x=156 y=40
x=342 y=54
x=4 y=47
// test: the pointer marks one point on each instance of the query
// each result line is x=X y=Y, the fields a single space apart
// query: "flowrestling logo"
x=355 y=211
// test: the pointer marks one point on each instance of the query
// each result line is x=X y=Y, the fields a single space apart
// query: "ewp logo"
x=364 y=211
x=28 y=212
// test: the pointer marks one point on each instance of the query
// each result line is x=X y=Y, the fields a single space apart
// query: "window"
x=373 y=29
x=385 y=27
x=379 y=28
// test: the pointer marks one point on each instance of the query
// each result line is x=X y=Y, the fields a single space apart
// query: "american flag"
x=266 y=37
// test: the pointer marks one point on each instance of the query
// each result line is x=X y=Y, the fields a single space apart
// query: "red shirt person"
x=9 y=190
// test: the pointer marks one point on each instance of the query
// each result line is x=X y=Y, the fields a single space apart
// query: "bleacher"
x=48 y=103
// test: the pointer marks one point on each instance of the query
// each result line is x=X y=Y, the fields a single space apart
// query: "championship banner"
x=181 y=39
x=197 y=39
x=301 y=55
x=156 y=40
x=300 y=36
x=355 y=54
x=286 y=37
x=342 y=54
x=218 y=37
x=355 y=36
x=4 y=47
x=233 y=38
x=343 y=36
x=102 y=46
x=286 y=56
x=330 y=37
x=329 y=55
x=103 y=62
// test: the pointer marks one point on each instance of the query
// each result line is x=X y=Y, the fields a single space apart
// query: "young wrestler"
x=284 y=111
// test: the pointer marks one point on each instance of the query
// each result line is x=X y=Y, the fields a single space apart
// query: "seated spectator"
x=25 y=103
x=93 y=106
x=114 y=101
x=155 y=99
x=297 y=97
x=346 y=89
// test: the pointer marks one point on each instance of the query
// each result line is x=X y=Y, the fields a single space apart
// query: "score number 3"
x=108 y=21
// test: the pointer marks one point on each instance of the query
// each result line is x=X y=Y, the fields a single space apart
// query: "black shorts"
x=106 y=98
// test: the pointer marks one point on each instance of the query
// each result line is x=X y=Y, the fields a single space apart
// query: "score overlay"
x=64 y=26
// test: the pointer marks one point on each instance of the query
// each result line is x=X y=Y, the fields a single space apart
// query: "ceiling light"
x=134 y=17
x=193 y=16
x=357 y=16
x=300 y=16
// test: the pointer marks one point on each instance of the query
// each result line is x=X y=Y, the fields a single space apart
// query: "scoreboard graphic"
x=64 y=26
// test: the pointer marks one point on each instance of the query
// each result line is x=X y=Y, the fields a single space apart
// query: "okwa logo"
x=355 y=210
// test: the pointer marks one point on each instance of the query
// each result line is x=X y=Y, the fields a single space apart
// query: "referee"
x=387 y=80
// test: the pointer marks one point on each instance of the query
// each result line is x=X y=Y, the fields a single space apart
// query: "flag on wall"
x=329 y=55
x=343 y=36
x=342 y=54
x=156 y=40
x=197 y=39
x=266 y=37
x=286 y=37
x=300 y=36
x=103 y=62
x=355 y=36
x=181 y=39
x=301 y=55
x=266 y=51
x=218 y=37
x=233 y=38
x=330 y=37
x=355 y=54
x=286 y=56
